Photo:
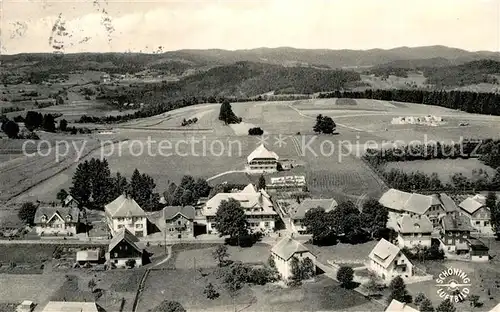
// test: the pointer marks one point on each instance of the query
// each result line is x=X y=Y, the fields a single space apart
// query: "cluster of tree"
x=346 y=223
x=168 y=306
x=413 y=181
x=255 y=131
x=236 y=274
x=324 y=124
x=494 y=205
x=93 y=186
x=424 y=253
x=481 y=71
x=471 y=102
x=189 y=121
x=385 y=72
x=187 y=192
x=345 y=276
x=35 y=120
x=10 y=109
x=27 y=213
x=301 y=269
x=435 y=150
x=227 y=115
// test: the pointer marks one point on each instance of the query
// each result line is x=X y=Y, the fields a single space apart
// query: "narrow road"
x=169 y=251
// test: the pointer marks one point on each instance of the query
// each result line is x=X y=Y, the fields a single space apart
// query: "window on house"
x=478 y=222
x=116 y=255
x=179 y=222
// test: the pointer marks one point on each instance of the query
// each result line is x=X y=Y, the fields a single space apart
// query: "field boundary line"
x=140 y=288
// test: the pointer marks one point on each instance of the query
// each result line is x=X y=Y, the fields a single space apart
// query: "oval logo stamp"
x=453 y=284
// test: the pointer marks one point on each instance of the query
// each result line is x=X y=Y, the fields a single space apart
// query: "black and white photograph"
x=249 y=155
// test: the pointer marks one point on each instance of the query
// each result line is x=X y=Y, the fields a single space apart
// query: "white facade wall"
x=414 y=240
x=121 y=263
x=393 y=270
x=56 y=228
x=133 y=224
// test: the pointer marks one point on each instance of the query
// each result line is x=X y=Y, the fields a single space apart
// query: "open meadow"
x=160 y=147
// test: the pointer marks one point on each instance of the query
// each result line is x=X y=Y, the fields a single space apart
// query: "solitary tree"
x=11 y=129
x=27 y=213
x=230 y=219
x=262 y=183
x=425 y=306
x=345 y=276
x=63 y=125
x=491 y=200
x=210 y=292
x=374 y=216
x=220 y=254
x=319 y=224
x=399 y=291
x=446 y=306
x=61 y=195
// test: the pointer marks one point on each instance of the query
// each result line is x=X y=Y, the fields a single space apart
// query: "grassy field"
x=328 y=172
x=445 y=168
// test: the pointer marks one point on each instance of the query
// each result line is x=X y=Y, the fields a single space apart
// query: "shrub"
x=345 y=275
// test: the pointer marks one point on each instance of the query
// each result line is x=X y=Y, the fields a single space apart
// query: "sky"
x=145 y=25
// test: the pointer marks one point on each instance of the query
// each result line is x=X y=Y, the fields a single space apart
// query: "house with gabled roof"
x=297 y=211
x=56 y=220
x=257 y=205
x=124 y=246
x=396 y=306
x=414 y=231
x=387 y=261
x=283 y=253
x=124 y=212
x=456 y=230
x=179 y=221
x=398 y=203
x=262 y=160
x=479 y=214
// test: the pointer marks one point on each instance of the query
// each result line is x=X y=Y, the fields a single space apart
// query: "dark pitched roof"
x=170 y=212
x=63 y=212
x=124 y=234
x=476 y=244
x=448 y=203
x=457 y=223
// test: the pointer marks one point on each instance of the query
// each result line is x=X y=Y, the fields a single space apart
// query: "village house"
x=179 y=221
x=396 y=306
x=123 y=248
x=262 y=160
x=297 y=211
x=57 y=220
x=257 y=205
x=70 y=306
x=124 y=212
x=399 y=203
x=479 y=215
x=414 y=231
x=387 y=261
x=283 y=253
x=455 y=232
x=105 y=78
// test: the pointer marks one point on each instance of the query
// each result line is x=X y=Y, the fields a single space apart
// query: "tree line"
x=471 y=102
x=93 y=186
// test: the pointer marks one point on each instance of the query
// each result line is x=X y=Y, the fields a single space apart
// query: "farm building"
x=257 y=205
x=56 y=220
x=283 y=185
x=90 y=256
x=414 y=231
x=387 y=261
x=297 y=211
x=479 y=215
x=123 y=248
x=262 y=160
x=59 y=306
x=399 y=203
x=105 y=78
x=124 y=212
x=479 y=252
x=419 y=120
x=283 y=253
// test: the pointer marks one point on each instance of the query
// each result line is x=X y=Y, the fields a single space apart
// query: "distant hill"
x=281 y=56
x=247 y=79
x=474 y=72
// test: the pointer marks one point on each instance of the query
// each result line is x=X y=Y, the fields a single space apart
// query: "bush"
x=345 y=275
x=255 y=131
